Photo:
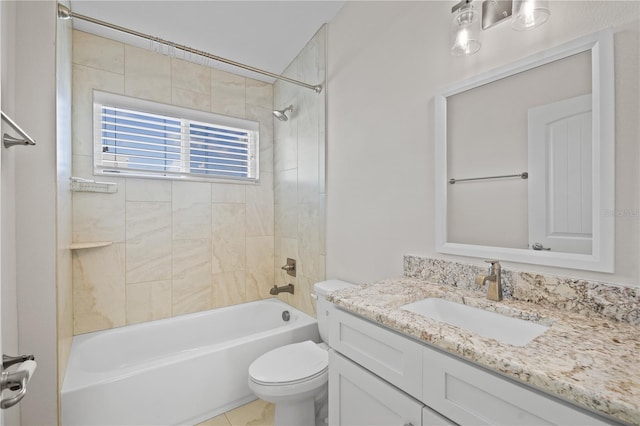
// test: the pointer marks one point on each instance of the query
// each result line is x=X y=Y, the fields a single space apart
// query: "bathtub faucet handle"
x=290 y=267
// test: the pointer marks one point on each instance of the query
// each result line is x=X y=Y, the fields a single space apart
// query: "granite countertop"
x=591 y=361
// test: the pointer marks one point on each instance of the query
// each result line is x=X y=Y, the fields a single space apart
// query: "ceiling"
x=263 y=34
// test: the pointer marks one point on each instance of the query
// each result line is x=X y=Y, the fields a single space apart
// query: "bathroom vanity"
x=390 y=365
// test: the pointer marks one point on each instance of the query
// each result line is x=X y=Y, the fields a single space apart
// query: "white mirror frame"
x=603 y=144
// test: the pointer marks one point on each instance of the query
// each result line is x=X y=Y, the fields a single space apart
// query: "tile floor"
x=256 y=413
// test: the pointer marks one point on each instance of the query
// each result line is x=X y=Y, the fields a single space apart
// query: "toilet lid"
x=290 y=363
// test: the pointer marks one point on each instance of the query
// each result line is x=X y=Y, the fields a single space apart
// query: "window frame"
x=100 y=99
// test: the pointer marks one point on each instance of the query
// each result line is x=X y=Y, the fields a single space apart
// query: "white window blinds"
x=134 y=137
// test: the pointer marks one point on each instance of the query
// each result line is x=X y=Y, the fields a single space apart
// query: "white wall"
x=35 y=204
x=385 y=62
x=7 y=227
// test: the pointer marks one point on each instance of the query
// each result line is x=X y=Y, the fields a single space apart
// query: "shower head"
x=281 y=114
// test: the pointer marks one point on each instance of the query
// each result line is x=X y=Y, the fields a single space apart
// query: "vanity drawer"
x=468 y=394
x=387 y=354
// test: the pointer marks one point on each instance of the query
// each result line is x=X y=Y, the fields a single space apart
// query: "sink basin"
x=513 y=331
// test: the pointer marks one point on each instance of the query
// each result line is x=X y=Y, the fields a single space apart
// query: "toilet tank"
x=324 y=307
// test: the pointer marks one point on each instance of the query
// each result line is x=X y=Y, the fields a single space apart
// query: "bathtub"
x=175 y=371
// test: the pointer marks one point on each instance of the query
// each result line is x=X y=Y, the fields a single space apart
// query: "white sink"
x=513 y=331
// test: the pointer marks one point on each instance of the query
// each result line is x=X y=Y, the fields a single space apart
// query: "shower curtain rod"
x=66 y=13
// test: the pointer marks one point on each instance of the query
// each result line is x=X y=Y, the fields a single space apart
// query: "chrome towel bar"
x=523 y=175
x=9 y=140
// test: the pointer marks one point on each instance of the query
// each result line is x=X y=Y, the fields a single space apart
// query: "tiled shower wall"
x=177 y=247
x=299 y=165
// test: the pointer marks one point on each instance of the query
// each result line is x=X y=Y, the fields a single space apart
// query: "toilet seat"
x=290 y=364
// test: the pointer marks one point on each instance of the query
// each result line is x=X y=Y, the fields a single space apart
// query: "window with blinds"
x=142 y=138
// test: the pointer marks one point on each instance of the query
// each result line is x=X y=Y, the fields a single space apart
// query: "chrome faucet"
x=494 y=292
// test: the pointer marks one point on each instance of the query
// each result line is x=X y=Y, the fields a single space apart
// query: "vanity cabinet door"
x=394 y=357
x=470 y=395
x=360 y=398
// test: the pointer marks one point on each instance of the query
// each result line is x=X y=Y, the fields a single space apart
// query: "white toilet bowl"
x=294 y=377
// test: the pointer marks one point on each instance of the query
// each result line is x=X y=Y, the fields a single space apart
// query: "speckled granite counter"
x=591 y=361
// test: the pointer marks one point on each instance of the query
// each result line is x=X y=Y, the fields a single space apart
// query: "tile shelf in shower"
x=95 y=244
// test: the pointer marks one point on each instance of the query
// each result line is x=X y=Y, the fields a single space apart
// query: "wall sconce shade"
x=465 y=29
x=528 y=14
x=465 y=26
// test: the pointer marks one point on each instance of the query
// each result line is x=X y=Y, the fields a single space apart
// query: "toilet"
x=294 y=377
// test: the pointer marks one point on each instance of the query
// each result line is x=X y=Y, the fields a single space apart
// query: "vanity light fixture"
x=465 y=30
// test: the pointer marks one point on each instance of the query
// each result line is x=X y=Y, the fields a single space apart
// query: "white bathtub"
x=176 y=371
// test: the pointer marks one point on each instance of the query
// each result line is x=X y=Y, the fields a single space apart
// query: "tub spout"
x=285 y=288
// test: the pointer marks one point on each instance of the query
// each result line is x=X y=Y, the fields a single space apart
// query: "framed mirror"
x=525 y=160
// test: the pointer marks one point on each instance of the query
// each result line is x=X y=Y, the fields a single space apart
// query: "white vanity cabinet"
x=380 y=377
x=359 y=398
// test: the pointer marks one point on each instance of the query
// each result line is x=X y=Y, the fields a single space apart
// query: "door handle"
x=539 y=246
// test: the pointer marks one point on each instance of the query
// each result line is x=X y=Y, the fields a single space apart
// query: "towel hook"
x=9 y=140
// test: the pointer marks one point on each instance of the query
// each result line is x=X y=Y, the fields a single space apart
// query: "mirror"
x=525 y=160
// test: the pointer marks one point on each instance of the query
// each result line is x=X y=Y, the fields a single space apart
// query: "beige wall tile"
x=191 y=287
x=228 y=93
x=309 y=263
x=85 y=80
x=260 y=269
x=147 y=74
x=308 y=170
x=228 y=232
x=228 y=193
x=228 y=288
x=191 y=205
x=286 y=187
x=301 y=298
x=264 y=116
x=98 y=216
x=259 y=93
x=260 y=220
x=148 y=190
x=98 y=52
x=190 y=76
x=286 y=220
x=149 y=242
x=266 y=158
x=190 y=99
x=308 y=226
x=98 y=288
x=285 y=150
x=148 y=301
